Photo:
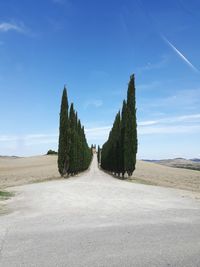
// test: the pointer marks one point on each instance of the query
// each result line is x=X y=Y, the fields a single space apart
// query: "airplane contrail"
x=180 y=54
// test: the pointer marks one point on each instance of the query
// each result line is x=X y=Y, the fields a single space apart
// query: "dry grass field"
x=152 y=173
x=18 y=171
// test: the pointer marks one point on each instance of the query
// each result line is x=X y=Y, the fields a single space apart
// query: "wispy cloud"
x=169 y=120
x=184 y=118
x=93 y=103
x=177 y=124
x=123 y=24
x=40 y=143
x=169 y=125
x=147 y=123
x=169 y=129
x=30 y=139
x=188 y=99
x=7 y=26
x=97 y=134
x=151 y=85
x=180 y=54
x=103 y=130
x=153 y=65
x=26 y=145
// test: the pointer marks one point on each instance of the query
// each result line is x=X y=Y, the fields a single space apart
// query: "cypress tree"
x=131 y=126
x=76 y=162
x=74 y=154
x=123 y=137
x=83 y=157
x=114 y=140
x=118 y=144
x=98 y=155
x=63 y=144
x=72 y=122
x=79 y=147
x=118 y=154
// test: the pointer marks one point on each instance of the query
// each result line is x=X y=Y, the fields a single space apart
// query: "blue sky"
x=93 y=47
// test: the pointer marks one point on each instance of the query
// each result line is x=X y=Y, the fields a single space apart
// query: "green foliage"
x=63 y=157
x=5 y=195
x=73 y=148
x=118 y=154
x=51 y=152
x=131 y=128
x=99 y=155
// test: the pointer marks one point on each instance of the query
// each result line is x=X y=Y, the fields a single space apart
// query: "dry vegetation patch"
x=17 y=171
x=156 y=174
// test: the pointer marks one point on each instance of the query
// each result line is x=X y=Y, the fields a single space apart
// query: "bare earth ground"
x=95 y=220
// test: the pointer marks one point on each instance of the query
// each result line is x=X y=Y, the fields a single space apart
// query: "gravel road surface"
x=96 y=220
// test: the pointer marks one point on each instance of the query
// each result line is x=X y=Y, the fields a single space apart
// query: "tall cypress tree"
x=63 y=148
x=72 y=123
x=123 y=137
x=98 y=155
x=76 y=163
x=118 y=144
x=118 y=154
x=131 y=126
x=79 y=147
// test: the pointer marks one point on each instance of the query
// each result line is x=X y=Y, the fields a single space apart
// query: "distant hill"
x=11 y=157
x=195 y=160
x=192 y=164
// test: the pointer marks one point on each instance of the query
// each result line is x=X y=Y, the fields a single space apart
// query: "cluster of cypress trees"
x=118 y=154
x=74 y=154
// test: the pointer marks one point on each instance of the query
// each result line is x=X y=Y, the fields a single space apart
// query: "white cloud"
x=168 y=129
x=152 y=85
x=185 y=118
x=26 y=145
x=93 y=103
x=36 y=139
x=31 y=144
x=171 y=125
x=7 y=138
x=97 y=135
x=147 y=123
x=162 y=126
x=155 y=65
x=30 y=138
x=170 y=120
x=6 y=26
x=188 y=99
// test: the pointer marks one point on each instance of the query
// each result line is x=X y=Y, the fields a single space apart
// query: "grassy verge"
x=140 y=181
x=131 y=179
x=5 y=195
x=43 y=180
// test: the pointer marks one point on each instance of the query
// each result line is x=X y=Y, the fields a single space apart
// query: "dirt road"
x=96 y=220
